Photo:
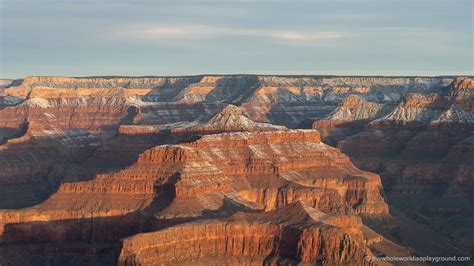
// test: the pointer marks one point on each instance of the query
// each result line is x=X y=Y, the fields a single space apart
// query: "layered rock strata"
x=214 y=176
x=421 y=149
x=286 y=100
x=84 y=159
x=295 y=233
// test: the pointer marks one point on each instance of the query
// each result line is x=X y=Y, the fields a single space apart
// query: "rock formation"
x=112 y=169
x=286 y=100
x=416 y=147
x=295 y=233
x=214 y=176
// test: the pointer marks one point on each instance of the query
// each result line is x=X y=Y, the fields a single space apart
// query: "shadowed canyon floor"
x=236 y=170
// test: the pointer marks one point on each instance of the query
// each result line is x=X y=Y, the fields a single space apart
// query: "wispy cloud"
x=166 y=33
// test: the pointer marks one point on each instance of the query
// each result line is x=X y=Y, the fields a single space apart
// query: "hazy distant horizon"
x=181 y=38
x=243 y=74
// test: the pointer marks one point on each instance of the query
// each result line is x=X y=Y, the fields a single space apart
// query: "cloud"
x=166 y=33
x=295 y=36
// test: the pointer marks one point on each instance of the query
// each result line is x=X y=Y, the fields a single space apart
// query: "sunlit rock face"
x=422 y=149
x=214 y=177
x=294 y=233
x=111 y=170
x=230 y=166
x=286 y=100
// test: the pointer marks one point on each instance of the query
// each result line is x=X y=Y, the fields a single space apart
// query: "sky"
x=190 y=37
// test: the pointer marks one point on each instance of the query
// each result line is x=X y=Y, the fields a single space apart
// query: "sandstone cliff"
x=286 y=100
x=86 y=162
x=214 y=176
x=297 y=233
x=413 y=148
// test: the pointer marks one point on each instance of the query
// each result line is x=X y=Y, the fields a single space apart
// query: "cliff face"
x=267 y=163
x=86 y=162
x=297 y=233
x=275 y=99
x=349 y=118
x=416 y=147
x=214 y=176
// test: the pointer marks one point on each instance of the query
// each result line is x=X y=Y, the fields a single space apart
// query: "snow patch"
x=37 y=102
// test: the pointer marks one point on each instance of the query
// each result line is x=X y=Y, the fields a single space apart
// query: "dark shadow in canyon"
x=96 y=240
x=13 y=133
x=419 y=205
x=235 y=89
x=168 y=91
x=292 y=114
x=57 y=164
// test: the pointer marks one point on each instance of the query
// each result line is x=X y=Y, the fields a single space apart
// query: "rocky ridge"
x=110 y=157
x=413 y=147
x=275 y=99
x=214 y=176
x=296 y=233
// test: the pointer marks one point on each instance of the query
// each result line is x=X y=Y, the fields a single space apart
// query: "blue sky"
x=145 y=37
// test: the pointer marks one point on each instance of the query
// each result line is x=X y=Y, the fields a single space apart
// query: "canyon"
x=235 y=169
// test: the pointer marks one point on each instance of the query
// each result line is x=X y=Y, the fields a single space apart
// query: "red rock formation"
x=91 y=157
x=214 y=176
x=349 y=118
x=296 y=233
x=276 y=99
x=421 y=149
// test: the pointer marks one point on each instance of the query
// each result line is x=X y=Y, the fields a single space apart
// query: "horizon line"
x=244 y=74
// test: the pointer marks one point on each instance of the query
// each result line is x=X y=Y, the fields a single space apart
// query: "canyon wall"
x=212 y=177
x=421 y=148
x=107 y=169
